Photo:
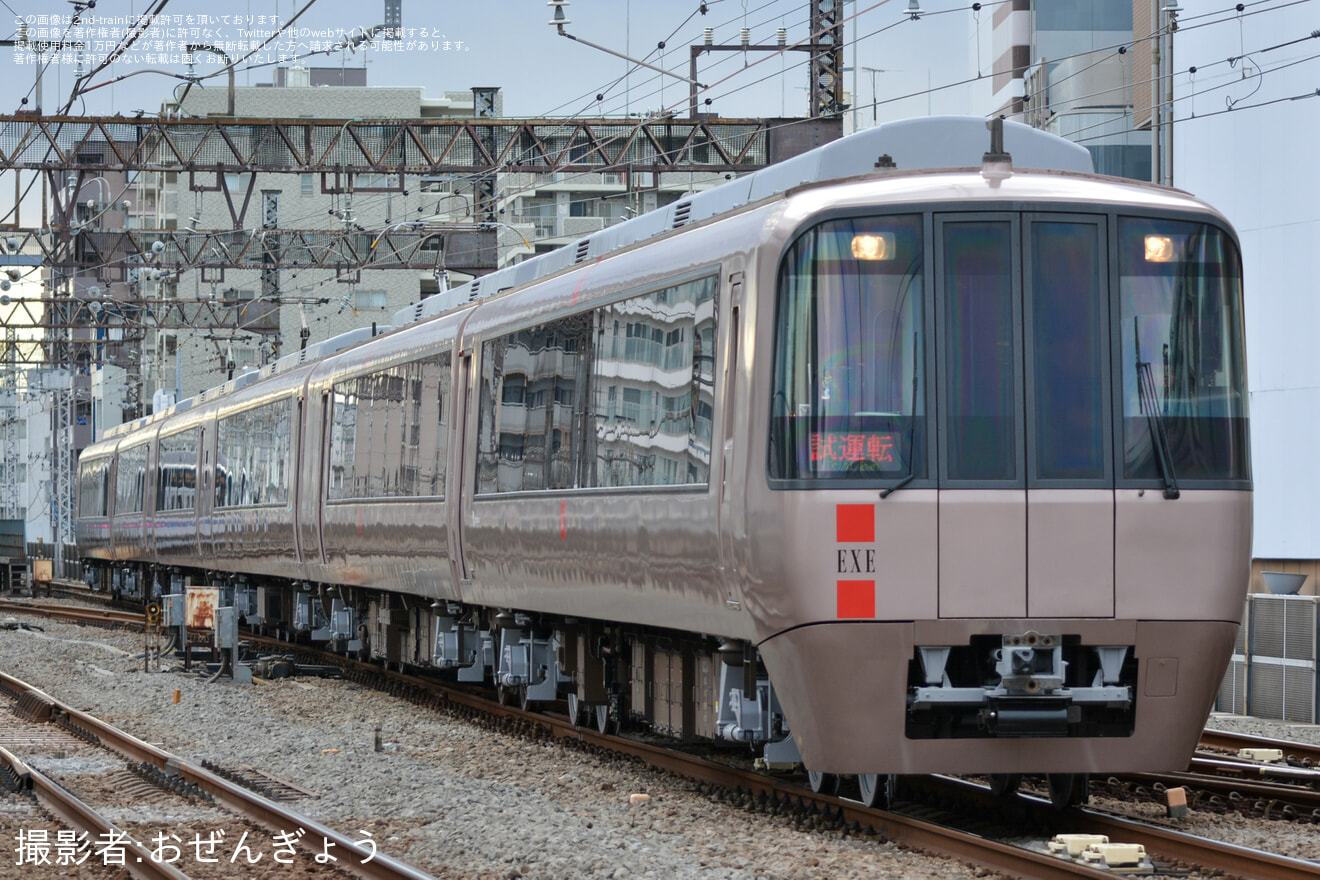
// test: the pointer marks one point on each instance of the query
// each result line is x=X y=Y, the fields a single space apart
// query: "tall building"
x=1057 y=67
x=278 y=309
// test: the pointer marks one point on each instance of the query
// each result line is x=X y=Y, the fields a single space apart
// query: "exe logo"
x=855 y=524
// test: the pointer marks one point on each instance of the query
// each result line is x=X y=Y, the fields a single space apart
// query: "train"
x=924 y=451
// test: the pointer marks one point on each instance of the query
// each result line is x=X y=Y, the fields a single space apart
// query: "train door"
x=459 y=489
x=206 y=506
x=1070 y=496
x=151 y=498
x=202 y=460
x=1026 y=509
x=732 y=510
x=322 y=473
x=301 y=447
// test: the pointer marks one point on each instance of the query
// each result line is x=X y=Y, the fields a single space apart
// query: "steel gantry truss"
x=410 y=146
x=827 y=59
x=224 y=155
x=95 y=308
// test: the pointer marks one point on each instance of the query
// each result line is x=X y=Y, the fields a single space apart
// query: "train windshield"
x=1031 y=320
x=849 y=353
x=1182 y=360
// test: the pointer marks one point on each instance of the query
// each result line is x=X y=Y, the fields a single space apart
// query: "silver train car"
x=892 y=458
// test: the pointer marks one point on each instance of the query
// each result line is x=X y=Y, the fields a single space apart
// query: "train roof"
x=909 y=145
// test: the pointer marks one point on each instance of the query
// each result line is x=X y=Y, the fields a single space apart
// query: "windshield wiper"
x=885 y=493
x=1159 y=435
x=912 y=430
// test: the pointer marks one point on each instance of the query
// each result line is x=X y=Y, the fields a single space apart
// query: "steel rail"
x=1161 y=842
x=77 y=815
x=73 y=614
x=928 y=836
x=897 y=827
x=1281 y=794
x=377 y=867
x=1197 y=850
x=1014 y=861
x=1222 y=739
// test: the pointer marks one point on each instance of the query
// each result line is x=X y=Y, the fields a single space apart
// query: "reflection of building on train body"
x=620 y=397
x=935 y=468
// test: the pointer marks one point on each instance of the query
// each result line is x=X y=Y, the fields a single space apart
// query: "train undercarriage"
x=608 y=676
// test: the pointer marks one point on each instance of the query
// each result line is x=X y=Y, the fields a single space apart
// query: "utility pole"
x=1170 y=24
x=826 y=58
x=270 y=261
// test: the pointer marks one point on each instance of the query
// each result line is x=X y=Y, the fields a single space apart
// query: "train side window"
x=176 y=471
x=388 y=436
x=343 y=439
x=547 y=369
x=132 y=478
x=252 y=456
x=620 y=396
x=93 y=485
x=654 y=388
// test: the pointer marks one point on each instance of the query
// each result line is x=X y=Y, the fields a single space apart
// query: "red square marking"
x=855 y=522
x=856 y=599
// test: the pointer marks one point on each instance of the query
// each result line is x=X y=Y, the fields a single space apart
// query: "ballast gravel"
x=445 y=795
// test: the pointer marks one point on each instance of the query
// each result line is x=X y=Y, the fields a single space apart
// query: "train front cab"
x=1008 y=465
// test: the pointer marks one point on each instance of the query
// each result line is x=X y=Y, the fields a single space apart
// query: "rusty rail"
x=933 y=838
x=78 y=816
x=73 y=614
x=247 y=803
x=1222 y=739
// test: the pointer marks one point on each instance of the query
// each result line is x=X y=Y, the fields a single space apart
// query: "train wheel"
x=511 y=695
x=878 y=790
x=1068 y=789
x=823 y=783
x=576 y=711
x=604 y=723
x=1005 y=784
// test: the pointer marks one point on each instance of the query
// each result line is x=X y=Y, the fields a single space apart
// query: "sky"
x=452 y=46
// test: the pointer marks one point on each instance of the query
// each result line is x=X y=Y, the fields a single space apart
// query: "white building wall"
x=328 y=305
x=1257 y=165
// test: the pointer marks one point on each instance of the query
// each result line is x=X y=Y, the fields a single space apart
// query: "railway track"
x=80 y=818
x=41 y=722
x=770 y=793
x=787 y=796
x=1224 y=741
x=73 y=614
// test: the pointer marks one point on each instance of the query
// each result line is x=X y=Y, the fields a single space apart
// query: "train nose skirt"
x=1025 y=685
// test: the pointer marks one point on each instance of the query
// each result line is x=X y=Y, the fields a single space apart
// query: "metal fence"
x=1273 y=671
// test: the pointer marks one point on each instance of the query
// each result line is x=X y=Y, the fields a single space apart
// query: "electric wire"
x=1245 y=54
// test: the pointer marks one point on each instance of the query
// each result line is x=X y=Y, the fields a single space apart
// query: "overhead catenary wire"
x=508 y=196
x=947 y=86
x=633 y=127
